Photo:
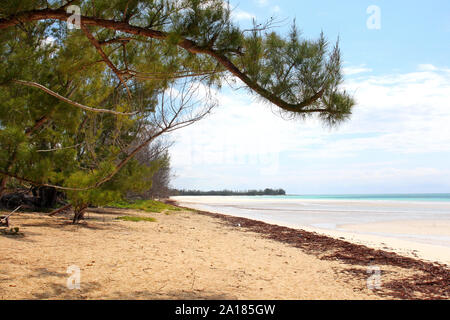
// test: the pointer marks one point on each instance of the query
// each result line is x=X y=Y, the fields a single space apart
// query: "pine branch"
x=76 y=104
x=57 y=149
x=184 y=43
x=97 y=46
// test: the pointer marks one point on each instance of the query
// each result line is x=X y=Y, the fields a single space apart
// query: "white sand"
x=181 y=256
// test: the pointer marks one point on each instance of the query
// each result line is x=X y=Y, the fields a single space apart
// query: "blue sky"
x=398 y=139
x=411 y=31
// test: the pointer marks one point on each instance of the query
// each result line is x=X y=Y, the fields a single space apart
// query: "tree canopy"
x=77 y=105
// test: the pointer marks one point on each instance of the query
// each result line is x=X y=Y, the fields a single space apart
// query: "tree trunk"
x=79 y=214
x=47 y=197
x=3 y=185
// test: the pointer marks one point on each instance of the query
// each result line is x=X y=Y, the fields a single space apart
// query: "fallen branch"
x=55 y=212
x=4 y=220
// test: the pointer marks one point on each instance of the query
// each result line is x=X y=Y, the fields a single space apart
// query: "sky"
x=397 y=66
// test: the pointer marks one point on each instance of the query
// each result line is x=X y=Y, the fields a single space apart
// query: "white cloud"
x=427 y=67
x=408 y=112
x=239 y=14
x=349 y=71
x=262 y=3
x=266 y=3
x=276 y=9
x=402 y=114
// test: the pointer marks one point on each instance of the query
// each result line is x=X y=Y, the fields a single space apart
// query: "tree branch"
x=182 y=98
x=39 y=123
x=97 y=46
x=184 y=43
x=57 y=149
x=115 y=40
x=76 y=104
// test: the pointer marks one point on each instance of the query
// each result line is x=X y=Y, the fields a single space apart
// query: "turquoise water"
x=434 y=197
x=336 y=212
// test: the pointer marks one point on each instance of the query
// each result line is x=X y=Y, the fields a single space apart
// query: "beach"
x=419 y=229
x=198 y=255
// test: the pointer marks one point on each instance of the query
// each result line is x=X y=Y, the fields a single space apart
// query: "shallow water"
x=339 y=212
x=427 y=197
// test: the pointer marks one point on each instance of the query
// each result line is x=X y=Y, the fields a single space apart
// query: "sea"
x=439 y=197
x=423 y=218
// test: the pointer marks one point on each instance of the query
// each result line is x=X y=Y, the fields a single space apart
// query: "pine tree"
x=76 y=104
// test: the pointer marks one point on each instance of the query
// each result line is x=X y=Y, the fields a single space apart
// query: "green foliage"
x=136 y=219
x=132 y=177
x=73 y=148
x=49 y=141
x=294 y=68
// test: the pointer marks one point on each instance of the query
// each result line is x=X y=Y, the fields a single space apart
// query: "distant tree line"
x=265 y=192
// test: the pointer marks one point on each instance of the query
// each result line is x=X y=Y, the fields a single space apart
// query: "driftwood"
x=55 y=212
x=4 y=220
x=35 y=199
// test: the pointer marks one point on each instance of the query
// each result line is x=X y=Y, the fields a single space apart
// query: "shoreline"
x=435 y=281
x=323 y=200
x=189 y=254
x=413 y=234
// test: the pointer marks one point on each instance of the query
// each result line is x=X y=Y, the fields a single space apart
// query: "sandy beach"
x=190 y=255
